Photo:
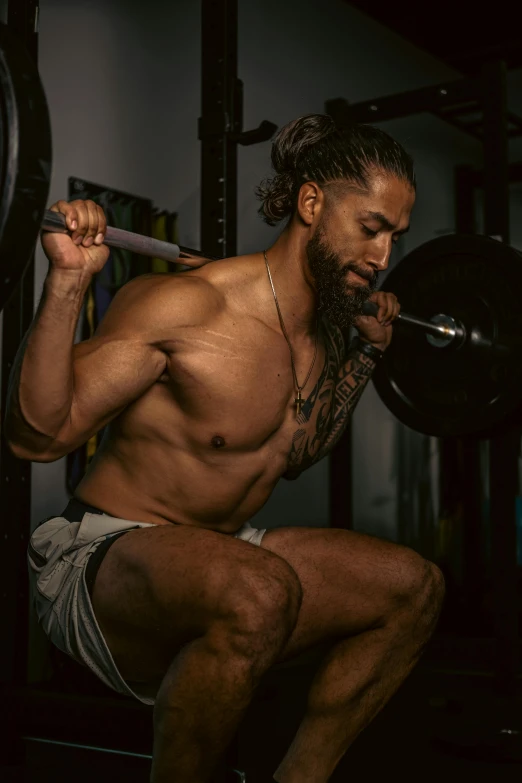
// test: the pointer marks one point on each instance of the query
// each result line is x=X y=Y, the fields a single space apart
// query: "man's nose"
x=379 y=254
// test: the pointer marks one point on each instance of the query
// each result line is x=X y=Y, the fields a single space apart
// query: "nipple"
x=218 y=442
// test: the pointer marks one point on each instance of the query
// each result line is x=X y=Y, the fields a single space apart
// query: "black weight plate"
x=25 y=160
x=453 y=391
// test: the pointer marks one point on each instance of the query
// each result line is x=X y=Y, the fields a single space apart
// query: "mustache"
x=371 y=277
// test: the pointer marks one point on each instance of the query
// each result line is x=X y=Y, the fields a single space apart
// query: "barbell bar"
x=441 y=330
x=128 y=240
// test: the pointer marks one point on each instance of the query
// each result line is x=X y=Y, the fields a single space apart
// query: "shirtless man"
x=153 y=575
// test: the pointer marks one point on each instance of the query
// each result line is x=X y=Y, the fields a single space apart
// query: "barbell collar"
x=452 y=332
x=443 y=331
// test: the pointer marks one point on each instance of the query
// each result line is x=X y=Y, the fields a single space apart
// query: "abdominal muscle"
x=142 y=474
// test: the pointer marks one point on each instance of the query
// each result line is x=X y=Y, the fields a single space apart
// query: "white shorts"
x=58 y=555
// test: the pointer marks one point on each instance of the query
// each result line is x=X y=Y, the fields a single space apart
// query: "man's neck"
x=293 y=284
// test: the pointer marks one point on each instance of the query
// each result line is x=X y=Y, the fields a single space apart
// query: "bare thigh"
x=351 y=582
x=161 y=587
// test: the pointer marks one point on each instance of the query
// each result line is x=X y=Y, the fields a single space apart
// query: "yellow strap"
x=159 y=231
x=89 y=311
x=91 y=448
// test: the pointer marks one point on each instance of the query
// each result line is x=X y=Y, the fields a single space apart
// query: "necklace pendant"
x=298 y=402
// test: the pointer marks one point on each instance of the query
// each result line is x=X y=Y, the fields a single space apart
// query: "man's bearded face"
x=339 y=300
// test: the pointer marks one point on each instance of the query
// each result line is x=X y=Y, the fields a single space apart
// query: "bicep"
x=108 y=375
x=125 y=357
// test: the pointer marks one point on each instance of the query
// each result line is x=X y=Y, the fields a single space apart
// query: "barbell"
x=440 y=330
x=453 y=367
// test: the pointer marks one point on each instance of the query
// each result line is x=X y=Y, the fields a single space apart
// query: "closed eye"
x=371 y=233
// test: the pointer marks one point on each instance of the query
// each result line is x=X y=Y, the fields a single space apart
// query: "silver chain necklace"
x=298 y=401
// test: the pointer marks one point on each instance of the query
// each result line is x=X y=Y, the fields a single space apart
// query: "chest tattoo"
x=327 y=409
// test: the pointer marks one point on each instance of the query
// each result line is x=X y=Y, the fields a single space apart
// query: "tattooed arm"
x=344 y=377
x=330 y=404
x=352 y=379
x=356 y=370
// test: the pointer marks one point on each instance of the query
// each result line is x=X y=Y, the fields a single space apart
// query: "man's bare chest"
x=244 y=391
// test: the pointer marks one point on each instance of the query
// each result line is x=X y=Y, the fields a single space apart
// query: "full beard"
x=337 y=300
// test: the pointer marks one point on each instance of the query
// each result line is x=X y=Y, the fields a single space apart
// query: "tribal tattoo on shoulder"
x=329 y=406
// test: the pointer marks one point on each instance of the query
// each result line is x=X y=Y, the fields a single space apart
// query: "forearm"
x=352 y=379
x=41 y=383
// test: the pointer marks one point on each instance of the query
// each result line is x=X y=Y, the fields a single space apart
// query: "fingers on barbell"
x=85 y=220
x=393 y=310
x=70 y=213
x=102 y=226
x=388 y=307
x=88 y=225
x=92 y=224
x=381 y=300
x=97 y=223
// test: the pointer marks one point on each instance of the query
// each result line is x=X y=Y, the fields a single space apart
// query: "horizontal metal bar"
x=79 y=746
x=437 y=330
x=388 y=107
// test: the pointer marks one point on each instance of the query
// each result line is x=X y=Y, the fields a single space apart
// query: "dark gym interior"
x=163 y=112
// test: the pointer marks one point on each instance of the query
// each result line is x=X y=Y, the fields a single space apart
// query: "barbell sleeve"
x=126 y=240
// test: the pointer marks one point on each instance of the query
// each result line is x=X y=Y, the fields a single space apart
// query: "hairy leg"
x=206 y=615
x=378 y=603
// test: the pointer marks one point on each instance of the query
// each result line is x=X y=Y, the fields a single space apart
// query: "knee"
x=431 y=593
x=264 y=605
x=420 y=585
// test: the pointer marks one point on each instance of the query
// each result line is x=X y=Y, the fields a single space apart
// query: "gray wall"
x=123 y=84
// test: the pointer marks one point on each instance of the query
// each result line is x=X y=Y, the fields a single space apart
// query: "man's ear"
x=310 y=202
